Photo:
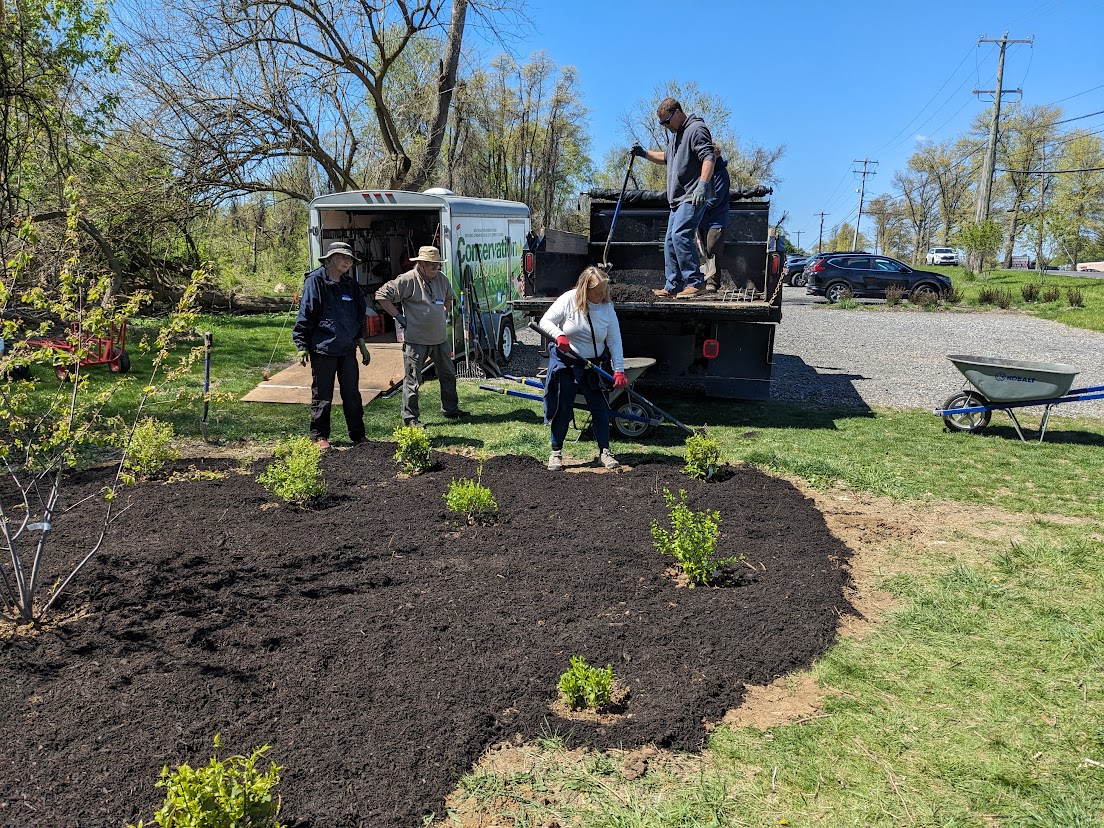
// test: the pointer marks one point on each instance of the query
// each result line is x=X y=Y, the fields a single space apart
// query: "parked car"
x=868 y=276
x=792 y=271
x=941 y=256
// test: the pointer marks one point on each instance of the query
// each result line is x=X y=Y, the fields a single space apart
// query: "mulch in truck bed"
x=380 y=645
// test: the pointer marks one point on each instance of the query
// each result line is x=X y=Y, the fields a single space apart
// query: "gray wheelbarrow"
x=1007 y=384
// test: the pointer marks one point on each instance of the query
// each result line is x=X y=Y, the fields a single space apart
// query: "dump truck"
x=721 y=344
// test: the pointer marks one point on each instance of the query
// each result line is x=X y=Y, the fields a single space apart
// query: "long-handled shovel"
x=605 y=264
x=632 y=394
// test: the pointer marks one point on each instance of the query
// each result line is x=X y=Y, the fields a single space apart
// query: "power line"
x=933 y=97
x=1053 y=172
x=1078 y=95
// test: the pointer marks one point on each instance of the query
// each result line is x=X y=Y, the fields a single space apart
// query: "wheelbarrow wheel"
x=121 y=363
x=631 y=429
x=971 y=422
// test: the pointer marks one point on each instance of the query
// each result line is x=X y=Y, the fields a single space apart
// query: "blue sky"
x=834 y=81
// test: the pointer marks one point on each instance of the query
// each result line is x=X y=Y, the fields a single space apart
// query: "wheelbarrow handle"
x=628 y=390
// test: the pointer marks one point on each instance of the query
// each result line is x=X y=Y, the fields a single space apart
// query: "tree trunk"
x=446 y=85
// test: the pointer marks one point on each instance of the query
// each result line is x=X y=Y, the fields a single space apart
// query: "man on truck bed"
x=689 y=162
x=426 y=298
x=713 y=223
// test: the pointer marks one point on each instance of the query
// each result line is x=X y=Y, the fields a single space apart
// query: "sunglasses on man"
x=668 y=119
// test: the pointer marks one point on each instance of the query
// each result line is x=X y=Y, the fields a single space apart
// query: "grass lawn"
x=977 y=697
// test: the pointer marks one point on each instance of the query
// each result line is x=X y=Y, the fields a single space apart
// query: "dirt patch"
x=379 y=645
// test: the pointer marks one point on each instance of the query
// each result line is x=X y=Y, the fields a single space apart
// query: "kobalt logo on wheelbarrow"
x=1001 y=377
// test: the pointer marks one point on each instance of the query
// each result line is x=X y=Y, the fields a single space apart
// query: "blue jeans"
x=569 y=381
x=680 y=251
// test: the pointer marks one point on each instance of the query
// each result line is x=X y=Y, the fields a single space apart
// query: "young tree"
x=1078 y=195
x=918 y=199
x=947 y=166
x=1027 y=130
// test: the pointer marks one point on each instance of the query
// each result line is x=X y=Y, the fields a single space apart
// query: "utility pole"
x=820 y=239
x=862 y=192
x=986 y=188
x=798 y=234
x=1042 y=212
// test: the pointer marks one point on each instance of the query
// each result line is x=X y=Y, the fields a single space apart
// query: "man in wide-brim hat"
x=426 y=297
x=328 y=332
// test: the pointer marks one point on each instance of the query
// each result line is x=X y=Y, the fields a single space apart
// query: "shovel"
x=605 y=264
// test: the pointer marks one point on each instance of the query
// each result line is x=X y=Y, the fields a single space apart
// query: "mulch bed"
x=379 y=646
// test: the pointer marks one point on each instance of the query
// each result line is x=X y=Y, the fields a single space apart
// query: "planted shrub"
x=1050 y=294
x=847 y=300
x=1030 y=292
x=987 y=295
x=294 y=475
x=953 y=296
x=703 y=457
x=692 y=539
x=472 y=499
x=925 y=300
x=894 y=295
x=412 y=453
x=228 y=793
x=1075 y=297
x=586 y=688
x=1002 y=298
x=151 y=448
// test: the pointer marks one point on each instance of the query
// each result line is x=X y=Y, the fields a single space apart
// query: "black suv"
x=866 y=275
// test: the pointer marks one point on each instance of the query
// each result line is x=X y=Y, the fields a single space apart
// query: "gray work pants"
x=414 y=360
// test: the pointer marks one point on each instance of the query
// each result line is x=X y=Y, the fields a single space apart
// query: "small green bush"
x=230 y=793
x=151 y=448
x=586 y=687
x=412 y=455
x=703 y=457
x=472 y=499
x=1003 y=298
x=1051 y=294
x=987 y=295
x=1075 y=297
x=847 y=300
x=692 y=539
x=894 y=295
x=953 y=296
x=294 y=476
x=1030 y=291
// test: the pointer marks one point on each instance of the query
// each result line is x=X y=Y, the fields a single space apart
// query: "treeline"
x=1047 y=197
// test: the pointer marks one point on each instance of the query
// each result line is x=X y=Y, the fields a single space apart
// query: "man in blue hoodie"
x=689 y=162
x=327 y=333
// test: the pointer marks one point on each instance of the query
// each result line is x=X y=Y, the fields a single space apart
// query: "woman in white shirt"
x=582 y=319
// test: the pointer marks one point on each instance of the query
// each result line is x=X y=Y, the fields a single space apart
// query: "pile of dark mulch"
x=379 y=646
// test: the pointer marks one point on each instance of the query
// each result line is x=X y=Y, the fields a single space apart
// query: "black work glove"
x=365 y=354
x=304 y=357
x=699 y=193
x=401 y=319
x=638 y=151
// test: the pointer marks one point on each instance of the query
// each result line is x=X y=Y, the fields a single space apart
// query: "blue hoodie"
x=331 y=315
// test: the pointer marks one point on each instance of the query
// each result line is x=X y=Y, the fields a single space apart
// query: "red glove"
x=620 y=380
x=563 y=343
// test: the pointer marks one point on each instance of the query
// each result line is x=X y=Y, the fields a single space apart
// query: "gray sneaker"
x=608 y=460
x=555 y=461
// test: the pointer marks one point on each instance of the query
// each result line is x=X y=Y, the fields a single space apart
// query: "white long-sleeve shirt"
x=562 y=319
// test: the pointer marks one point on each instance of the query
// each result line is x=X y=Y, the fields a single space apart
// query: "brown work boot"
x=663 y=293
x=688 y=292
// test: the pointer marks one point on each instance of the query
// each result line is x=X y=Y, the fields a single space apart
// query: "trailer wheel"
x=968 y=423
x=121 y=365
x=631 y=429
x=507 y=340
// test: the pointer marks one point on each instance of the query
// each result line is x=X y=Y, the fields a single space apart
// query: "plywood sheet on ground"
x=292 y=385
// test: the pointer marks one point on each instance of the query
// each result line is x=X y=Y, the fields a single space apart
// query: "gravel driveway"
x=898 y=359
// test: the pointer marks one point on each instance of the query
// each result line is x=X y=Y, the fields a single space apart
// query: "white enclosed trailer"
x=483 y=241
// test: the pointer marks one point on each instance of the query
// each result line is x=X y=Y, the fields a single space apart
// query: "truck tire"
x=507 y=339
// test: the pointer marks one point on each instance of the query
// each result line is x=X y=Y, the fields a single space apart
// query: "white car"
x=941 y=256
